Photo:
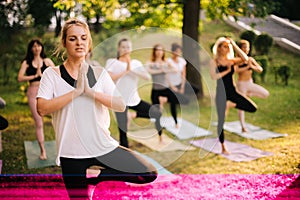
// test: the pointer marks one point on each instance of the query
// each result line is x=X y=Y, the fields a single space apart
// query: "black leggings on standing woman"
x=121 y=164
x=242 y=103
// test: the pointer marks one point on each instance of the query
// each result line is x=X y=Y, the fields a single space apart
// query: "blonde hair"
x=218 y=43
x=243 y=42
x=63 y=35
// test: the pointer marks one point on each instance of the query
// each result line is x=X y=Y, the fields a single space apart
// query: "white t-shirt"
x=127 y=85
x=81 y=127
x=175 y=77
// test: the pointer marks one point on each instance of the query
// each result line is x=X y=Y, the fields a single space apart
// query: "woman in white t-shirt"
x=177 y=79
x=125 y=72
x=78 y=97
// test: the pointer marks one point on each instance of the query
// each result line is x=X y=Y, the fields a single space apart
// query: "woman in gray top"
x=158 y=67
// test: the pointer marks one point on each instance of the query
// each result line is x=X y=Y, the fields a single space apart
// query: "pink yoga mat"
x=185 y=187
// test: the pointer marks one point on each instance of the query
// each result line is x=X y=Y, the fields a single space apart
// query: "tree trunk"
x=191 y=12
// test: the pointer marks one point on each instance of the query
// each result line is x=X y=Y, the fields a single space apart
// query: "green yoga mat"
x=32 y=151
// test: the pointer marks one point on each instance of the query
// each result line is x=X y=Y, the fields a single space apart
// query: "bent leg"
x=122 y=164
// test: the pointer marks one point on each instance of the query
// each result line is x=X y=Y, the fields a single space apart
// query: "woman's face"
x=224 y=48
x=245 y=48
x=159 y=52
x=36 y=49
x=77 y=42
x=177 y=52
x=124 y=48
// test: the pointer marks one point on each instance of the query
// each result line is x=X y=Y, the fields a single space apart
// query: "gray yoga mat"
x=254 y=132
x=32 y=151
x=185 y=130
x=238 y=152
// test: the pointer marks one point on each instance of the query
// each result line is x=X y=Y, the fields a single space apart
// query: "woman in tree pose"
x=225 y=64
x=32 y=68
x=78 y=97
x=159 y=68
x=125 y=72
x=245 y=84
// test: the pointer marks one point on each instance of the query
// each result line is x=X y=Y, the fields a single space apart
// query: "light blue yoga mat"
x=254 y=132
x=32 y=151
x=238 y=152
x=185 y=130
x=159 y=167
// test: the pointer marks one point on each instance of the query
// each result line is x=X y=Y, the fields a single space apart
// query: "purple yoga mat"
x=238 y=152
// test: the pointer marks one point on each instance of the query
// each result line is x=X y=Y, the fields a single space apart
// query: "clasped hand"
x=82 y=86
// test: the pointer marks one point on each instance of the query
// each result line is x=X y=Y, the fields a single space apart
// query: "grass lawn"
x=279 y=113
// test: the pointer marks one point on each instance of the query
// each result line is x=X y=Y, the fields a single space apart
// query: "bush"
x=284 y=72
x=250 y=36
x=264 y=63
x=263 y=44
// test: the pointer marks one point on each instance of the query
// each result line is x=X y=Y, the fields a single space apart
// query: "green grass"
x=279 y=113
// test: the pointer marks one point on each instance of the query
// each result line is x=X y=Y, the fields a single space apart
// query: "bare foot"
x=177 y=125
x=244 y=130
x=224 y=150
x=161 y=141
x=43 y=156
x=92 y=173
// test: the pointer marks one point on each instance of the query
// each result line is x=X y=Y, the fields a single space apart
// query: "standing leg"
x=74 y=176
x=38 y=120
x=221 y=108
x=122 y=125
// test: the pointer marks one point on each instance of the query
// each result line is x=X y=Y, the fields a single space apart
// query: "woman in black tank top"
x=32 y=67
x=222 y=71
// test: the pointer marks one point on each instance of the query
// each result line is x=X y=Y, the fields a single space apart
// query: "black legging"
x=143 y=110
x=3 y=123
x=242 y=103
x=121 y=164
x=173 y=98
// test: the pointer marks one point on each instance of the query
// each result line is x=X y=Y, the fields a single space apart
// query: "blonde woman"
x=78 y=97
x=225 y=64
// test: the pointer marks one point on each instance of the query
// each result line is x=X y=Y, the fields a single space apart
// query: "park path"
x=283 y=32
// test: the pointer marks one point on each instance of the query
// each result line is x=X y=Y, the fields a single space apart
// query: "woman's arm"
x=171 y=68
x=152 y=70
x=115 y=103
x=48 y=106
x=141 y=72
x=183 y=79
x=217 y=75
x=45 y=106
x=22 y=73
x=239 y=51
x=254 y=65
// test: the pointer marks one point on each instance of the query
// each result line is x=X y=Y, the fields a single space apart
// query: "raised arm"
x=238 y=50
